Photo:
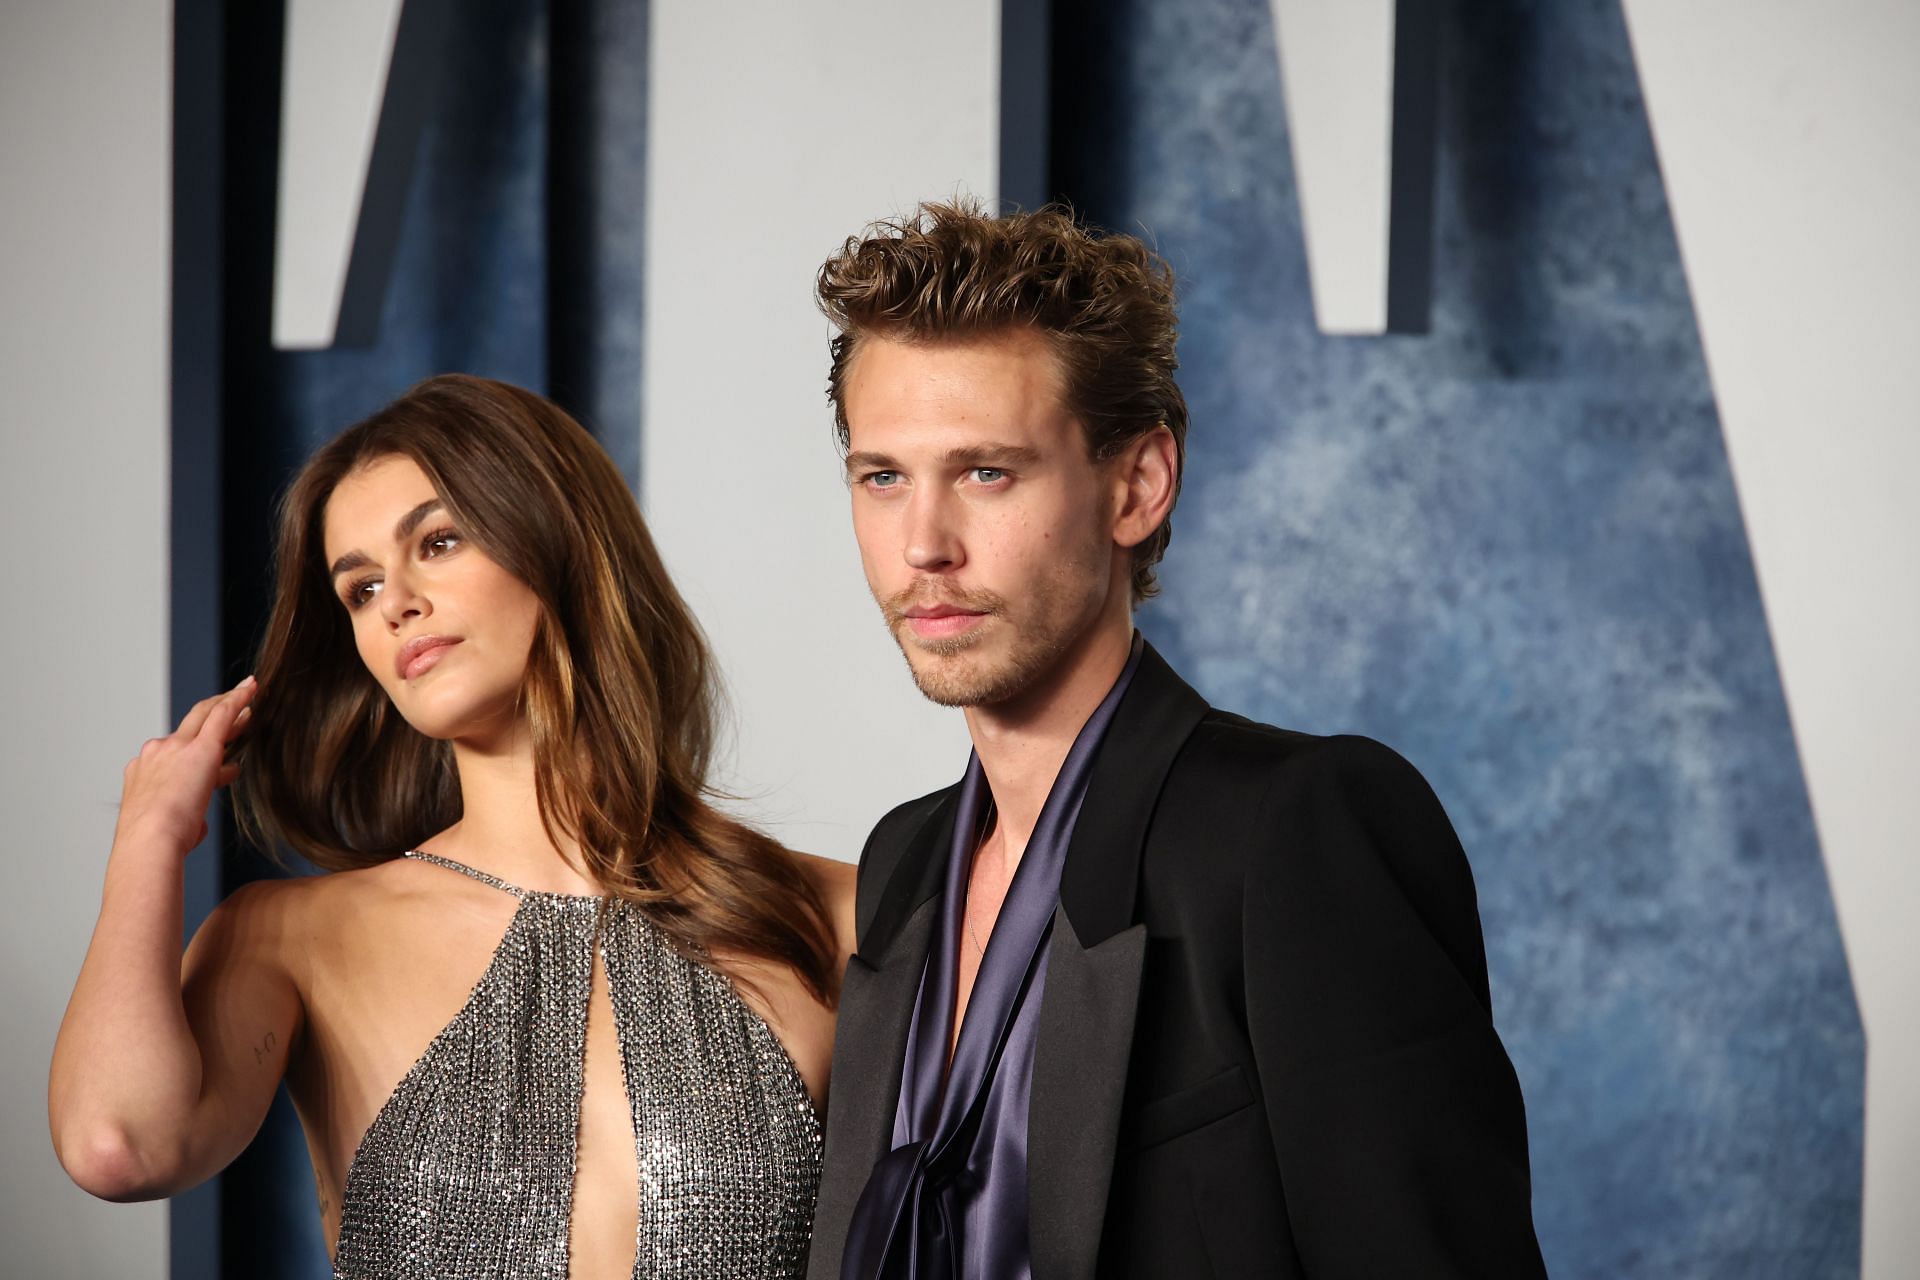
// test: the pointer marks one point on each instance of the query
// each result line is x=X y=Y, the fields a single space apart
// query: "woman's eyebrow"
x=411 y=521
x=347 y=563
x=401 y=532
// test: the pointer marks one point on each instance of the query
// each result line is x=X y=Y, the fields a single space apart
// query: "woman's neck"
x=500 y=831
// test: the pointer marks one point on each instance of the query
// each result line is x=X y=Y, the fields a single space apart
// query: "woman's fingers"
x=221 y=718
x=197 y=716
x=228 y=772
x=230 y=716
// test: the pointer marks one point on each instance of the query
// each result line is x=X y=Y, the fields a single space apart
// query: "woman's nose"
x=400 y=600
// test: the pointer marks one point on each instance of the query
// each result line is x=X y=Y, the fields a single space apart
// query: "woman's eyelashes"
x=436 y=545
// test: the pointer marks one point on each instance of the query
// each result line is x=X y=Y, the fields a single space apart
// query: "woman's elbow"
x=105 y=1161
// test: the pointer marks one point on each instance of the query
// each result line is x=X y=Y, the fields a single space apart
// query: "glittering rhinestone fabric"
x=468 y=1169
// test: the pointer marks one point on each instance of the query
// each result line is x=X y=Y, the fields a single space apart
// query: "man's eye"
x=989 y=475
x=882 y=479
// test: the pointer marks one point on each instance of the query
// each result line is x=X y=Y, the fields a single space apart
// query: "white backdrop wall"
x=85 y=94
x=1786 y=132
x=775 y=131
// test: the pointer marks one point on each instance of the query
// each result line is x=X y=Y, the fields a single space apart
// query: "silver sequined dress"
x=467 y=1172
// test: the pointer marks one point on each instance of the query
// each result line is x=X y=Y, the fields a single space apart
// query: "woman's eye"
x=439 y=544
x=358 y=593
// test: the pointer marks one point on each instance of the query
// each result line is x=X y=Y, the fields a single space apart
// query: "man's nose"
x=933 y=540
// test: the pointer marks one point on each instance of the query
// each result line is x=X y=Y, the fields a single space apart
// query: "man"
x=1154 y=990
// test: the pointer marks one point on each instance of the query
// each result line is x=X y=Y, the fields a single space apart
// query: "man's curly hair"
x=1103 y=302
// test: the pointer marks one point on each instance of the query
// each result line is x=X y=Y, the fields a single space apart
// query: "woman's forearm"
x=126 y=1077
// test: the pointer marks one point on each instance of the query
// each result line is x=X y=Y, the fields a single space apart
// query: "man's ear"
x=1147 y=474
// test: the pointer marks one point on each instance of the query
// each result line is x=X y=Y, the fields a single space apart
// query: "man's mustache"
x=923 y=595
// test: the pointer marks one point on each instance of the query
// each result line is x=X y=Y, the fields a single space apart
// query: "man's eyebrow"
x=868 y=460
x=983 y=455
x=402 y=530
x=973 y=455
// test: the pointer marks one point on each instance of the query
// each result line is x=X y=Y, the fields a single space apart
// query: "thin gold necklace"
x=966 y=912
x=978 y=946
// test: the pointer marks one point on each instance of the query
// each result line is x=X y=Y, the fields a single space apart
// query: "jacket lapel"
x=870 y=1037
x=1085 y=1036
x=1079 y=1081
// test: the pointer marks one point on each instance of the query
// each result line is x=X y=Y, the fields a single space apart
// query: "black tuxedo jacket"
x=1265 y=1047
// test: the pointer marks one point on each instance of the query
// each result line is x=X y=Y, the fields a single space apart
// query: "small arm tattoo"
x=264 y=1049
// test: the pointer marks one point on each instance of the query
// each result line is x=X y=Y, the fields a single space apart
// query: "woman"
x=552 y=1013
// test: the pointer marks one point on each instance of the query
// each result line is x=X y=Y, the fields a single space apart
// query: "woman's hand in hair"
x=170 y=783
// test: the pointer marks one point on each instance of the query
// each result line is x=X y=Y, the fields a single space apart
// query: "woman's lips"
x=421 y=654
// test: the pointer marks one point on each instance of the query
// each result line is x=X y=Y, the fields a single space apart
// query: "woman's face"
x=443 y=628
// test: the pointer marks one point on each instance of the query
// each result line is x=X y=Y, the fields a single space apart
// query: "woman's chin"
x=463 y=725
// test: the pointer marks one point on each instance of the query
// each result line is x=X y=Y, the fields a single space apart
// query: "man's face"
x=984 y=526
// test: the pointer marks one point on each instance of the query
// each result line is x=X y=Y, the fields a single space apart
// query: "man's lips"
x=932 y=621
x=420 y=654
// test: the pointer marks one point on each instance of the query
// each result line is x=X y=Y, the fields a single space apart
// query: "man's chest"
x=987 y=885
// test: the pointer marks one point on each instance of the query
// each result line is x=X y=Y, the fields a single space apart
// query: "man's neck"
x=1022 y=743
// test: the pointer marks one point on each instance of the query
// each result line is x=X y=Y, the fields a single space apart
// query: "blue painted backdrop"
x=1512 y=549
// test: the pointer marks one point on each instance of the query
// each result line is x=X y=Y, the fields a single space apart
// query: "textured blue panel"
x=1513 y=550
x=468 y=291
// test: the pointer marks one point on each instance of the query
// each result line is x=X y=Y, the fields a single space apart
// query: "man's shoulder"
x=1249 y=798
x=1232 y=753
x=895 y=831
x=899 y=823
x=888 y=843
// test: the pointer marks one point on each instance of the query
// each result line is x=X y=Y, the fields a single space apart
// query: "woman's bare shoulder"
x=264 y=929
x=318 y=893
x=303 y=912
x=298 y=903
x=346 y=930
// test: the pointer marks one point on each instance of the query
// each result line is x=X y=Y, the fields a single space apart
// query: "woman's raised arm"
x=163 y=1073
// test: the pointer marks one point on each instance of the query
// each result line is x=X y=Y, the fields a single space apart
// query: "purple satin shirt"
x=950 y=1201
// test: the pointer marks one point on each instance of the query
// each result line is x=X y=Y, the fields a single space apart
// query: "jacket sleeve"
x=1395 y=1114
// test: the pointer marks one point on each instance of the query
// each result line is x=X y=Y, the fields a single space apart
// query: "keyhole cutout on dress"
x=603 y=1235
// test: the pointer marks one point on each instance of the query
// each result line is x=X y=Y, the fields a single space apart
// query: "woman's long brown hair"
x=619 y=693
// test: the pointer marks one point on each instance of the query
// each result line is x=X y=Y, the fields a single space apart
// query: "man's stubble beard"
x=944 y=677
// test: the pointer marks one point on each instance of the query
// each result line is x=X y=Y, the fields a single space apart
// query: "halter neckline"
x=493 y=881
